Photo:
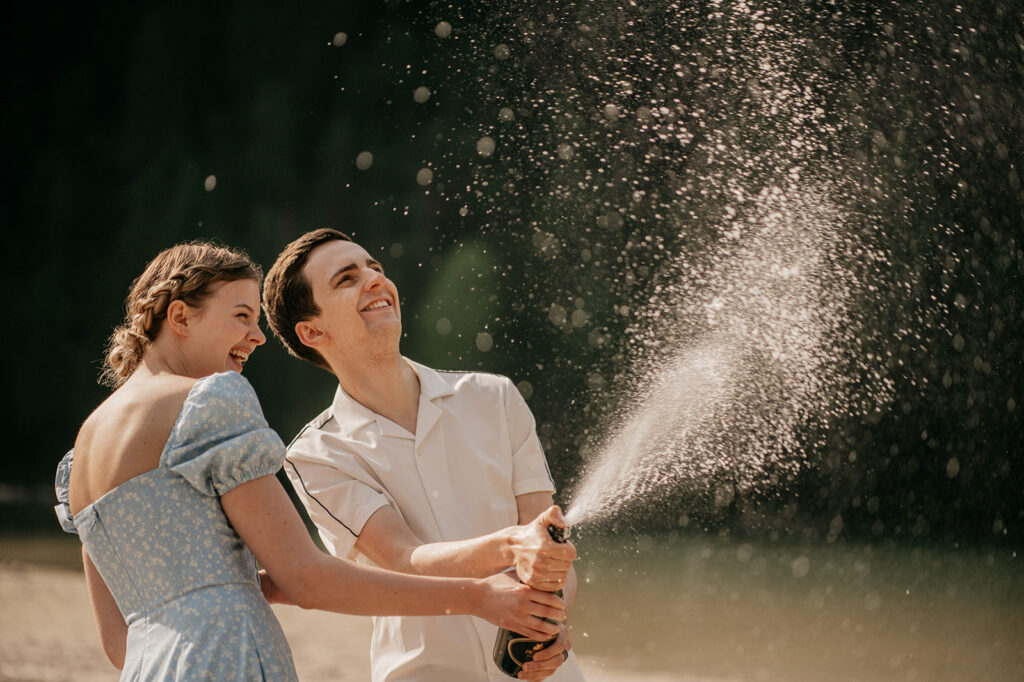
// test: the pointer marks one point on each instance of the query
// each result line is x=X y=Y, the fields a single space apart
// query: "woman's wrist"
x=472 y=596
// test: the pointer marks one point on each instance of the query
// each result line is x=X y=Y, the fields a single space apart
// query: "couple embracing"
x=429 y=489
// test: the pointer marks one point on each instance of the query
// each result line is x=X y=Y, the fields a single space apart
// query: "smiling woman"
x=187 y=273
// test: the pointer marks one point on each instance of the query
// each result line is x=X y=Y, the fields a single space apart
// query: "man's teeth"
x=239 y=355
x=378 y=304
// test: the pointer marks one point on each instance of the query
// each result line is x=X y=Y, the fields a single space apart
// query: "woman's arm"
x=264 y=517
x=109 y=622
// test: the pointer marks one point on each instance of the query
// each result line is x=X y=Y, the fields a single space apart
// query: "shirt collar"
x=352 y=415
x=432 y=383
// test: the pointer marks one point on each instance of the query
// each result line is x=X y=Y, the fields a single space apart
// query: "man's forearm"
x=387 y=541
x=473 y=558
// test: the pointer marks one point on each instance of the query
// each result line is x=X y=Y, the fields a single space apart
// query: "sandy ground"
x=47 y=634
x=691 y=612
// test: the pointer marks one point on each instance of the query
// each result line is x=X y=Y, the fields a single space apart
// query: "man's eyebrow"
x=352 y=266
x=341 y=270
x=246 y=306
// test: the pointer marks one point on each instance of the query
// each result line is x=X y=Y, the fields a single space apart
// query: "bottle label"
x=521 y=649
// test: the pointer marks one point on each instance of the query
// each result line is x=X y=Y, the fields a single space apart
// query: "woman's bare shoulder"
x=125 y=435
x=151 y=397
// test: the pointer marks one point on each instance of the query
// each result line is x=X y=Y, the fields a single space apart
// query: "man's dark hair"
x=288 y=296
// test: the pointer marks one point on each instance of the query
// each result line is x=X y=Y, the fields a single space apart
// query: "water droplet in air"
x=339 y=39
x=421 y=94
x=485 y=146
x=525 y=388
x=210 y=183
x=557 y=315
x=443 y=29
x=425 y=176
x=364 y=160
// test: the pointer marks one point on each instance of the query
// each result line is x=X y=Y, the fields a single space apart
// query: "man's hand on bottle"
x=541 y=562
x=546 y=661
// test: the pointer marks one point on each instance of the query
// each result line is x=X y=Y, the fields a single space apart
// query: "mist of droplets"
x=699 y=165
x=698 y=200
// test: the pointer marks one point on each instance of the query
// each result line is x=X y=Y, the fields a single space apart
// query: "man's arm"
x=389 y=542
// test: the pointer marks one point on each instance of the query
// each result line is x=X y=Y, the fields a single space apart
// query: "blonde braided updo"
x=184 y=272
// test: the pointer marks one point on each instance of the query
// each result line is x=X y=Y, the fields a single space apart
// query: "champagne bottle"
x=511 y=649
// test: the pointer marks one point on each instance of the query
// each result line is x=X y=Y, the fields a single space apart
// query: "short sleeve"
x=61 y=485
x=221 y=438
x=338 y=492
x=530 y=473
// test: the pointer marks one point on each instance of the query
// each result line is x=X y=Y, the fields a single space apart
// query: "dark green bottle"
x=511 y=649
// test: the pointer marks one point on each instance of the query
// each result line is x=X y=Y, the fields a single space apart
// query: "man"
x=411 y=469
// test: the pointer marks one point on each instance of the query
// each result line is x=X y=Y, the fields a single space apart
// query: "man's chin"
x=385 y=333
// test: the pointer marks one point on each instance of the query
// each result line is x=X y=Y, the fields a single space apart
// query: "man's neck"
x=386 y=385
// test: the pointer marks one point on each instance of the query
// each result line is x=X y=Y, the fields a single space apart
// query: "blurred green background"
x=132 y=126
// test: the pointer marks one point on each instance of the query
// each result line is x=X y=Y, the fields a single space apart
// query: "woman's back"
x=154 y=527
x=124 y=436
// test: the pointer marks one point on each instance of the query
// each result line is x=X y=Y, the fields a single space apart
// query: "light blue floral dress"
x=182 y=578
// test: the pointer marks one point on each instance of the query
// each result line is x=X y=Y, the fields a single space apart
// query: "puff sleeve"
x=61 y=485
x=221 y=438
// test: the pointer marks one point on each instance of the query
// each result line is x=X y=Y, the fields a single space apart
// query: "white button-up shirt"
x=475 y=449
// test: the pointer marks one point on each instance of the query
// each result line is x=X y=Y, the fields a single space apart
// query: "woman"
x=171 y=485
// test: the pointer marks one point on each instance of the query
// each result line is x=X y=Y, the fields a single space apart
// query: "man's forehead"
x=325 y=259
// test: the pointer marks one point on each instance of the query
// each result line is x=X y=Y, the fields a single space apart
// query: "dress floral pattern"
x=183 y=579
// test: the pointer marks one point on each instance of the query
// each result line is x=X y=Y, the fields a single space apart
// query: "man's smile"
x=377 y=305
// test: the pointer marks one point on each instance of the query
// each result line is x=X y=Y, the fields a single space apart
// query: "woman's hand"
x=509 y=604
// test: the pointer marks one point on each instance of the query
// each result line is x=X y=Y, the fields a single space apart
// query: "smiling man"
x=412 y=469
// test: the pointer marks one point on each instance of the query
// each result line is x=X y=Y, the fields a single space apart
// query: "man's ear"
x=178 y=317
x=311 y=335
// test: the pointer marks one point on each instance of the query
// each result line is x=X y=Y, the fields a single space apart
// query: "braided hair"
x=181 y=273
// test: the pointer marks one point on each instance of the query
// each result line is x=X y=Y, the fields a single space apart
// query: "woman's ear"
x=311 y=335
x=178 y=317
